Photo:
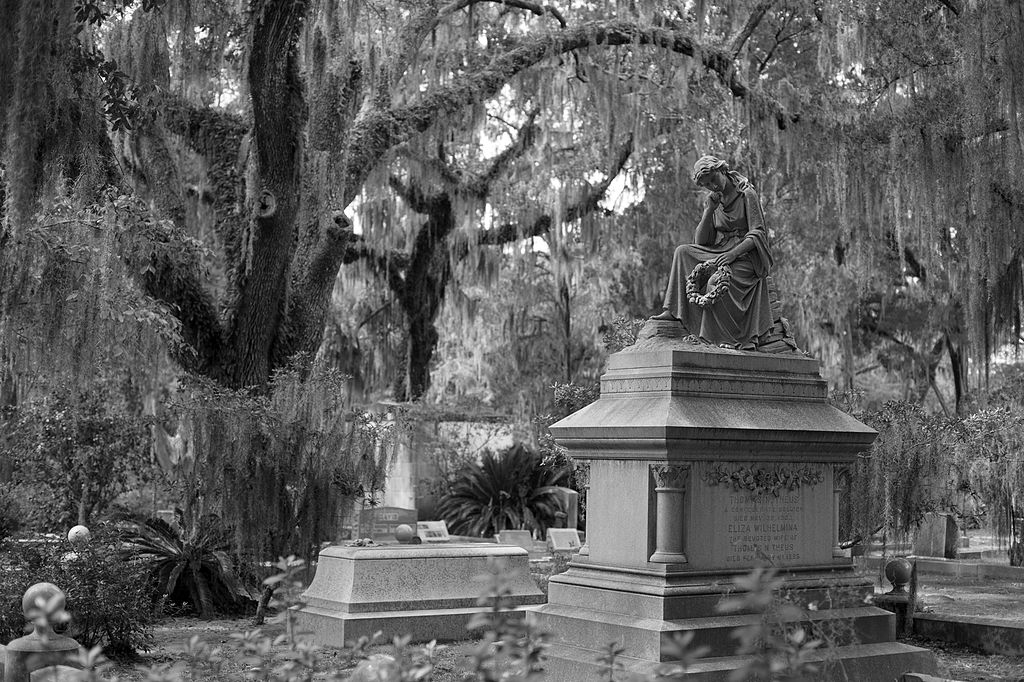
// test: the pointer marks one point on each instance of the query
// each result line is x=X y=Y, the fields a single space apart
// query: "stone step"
x=881 y=662
x=643 y=637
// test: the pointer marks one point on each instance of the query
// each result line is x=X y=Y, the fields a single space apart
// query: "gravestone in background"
x=703 y=464
x=519 y=538
x=379 y=523
x=569 y=501
x=937 y=536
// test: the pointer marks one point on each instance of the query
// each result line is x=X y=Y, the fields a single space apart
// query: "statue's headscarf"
x=710 y=164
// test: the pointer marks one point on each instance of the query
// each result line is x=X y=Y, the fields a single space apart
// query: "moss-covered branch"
x=381 y=129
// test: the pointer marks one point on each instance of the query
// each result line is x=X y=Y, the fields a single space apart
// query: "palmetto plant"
x=189 y=565
x=512 y=490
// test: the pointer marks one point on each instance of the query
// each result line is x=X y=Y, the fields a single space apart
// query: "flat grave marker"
x=564 y=540
x=432 y=531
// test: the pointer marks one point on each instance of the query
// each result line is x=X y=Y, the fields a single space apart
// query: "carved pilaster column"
x=840 y=473
x=583 y=480
x=670 y=488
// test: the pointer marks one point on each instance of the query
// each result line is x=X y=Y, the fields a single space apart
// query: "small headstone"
x=520 y=538
x=569 y=500
x=380 y=523
x=937 y=536
x=432 y=531
x=564 y=540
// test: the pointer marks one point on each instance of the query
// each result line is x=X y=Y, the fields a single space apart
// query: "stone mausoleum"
x=704 y=463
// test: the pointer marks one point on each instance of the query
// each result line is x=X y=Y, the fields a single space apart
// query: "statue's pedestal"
x=704 y=463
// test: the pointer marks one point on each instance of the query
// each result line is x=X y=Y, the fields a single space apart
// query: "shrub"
x=107 y=597
x=191 y=566
x=513 y=490
x=78 y=450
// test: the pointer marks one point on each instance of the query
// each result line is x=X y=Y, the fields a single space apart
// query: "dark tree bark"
x=419 y=280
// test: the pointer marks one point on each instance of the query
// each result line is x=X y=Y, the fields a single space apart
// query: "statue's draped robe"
x=744 y=313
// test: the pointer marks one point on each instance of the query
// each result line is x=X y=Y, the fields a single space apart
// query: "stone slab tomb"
x=703 y=463
x=428 y=591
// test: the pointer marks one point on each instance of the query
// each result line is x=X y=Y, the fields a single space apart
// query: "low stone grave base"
x=429 y=592
x=991 y=635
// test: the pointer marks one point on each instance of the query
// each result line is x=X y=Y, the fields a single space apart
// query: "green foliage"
x=512 y=490
x=188 y=565
x=77 y=449
x=107 y=596
x=779 y=644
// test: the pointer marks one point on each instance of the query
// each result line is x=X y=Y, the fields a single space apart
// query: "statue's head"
x=711 y=173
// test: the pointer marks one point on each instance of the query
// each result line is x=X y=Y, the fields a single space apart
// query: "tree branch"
x=588 y=203
x=953 y=6
x=482 y=185
x=379 y=130
x=594 y=194
x=534 y=7
x=411 y=194
x=740 y=39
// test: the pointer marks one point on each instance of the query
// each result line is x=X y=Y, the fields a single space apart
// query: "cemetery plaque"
x=432 y=531
x=564 y=540
x=380 y=523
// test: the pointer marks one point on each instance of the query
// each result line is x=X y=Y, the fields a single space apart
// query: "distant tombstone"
x=564 y=540
x=432 y=531
x=521 y=538
x=380 y=523
x=938 y=536
x=569 y=500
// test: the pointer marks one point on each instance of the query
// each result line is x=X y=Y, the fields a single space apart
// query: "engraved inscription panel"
x=749 y=514
x=763 y=528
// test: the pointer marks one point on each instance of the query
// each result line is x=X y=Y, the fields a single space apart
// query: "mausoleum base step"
x=879 y=662
x=644 y=637
x=657 y=598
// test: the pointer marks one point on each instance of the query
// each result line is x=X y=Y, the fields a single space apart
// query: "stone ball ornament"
x=897 y=572
x=42 y=595
x=79 y=535
x=404 y=533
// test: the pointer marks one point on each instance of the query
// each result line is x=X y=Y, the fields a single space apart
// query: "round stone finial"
x=404 y=533
x=79 y=535
x=897 y=572
x=41 y=594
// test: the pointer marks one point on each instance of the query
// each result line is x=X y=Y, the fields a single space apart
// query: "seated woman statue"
x=732 y=232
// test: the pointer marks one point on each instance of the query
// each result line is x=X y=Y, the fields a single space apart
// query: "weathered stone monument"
x=705 y=462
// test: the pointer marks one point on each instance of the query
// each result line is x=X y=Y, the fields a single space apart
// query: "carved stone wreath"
x=762 y=481
x=699 y=278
